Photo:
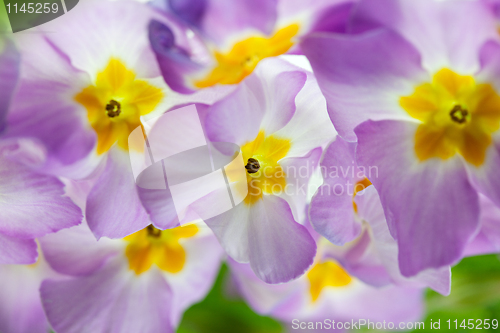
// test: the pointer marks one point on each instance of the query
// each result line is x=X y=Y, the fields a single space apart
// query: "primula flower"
x=328 y=291
x=421 y=96
x=235 y=36
x=31 y=204
x=278 y=118
x=83 y=89
x=141 y=283
x=21 y=309
x=346 y=210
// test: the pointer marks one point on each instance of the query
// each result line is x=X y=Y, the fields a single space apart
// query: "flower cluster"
x=369 y=135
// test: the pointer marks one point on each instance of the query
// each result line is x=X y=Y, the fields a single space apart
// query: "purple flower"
x=143 y=282
x=417 y=85
x=278 y=118
x=328 y=290
x=83 y=90
x=347 y=210
x=224 y=41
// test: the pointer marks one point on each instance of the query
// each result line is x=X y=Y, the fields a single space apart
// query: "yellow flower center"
x=326 y=274
x=241 y=60
x=160 y=247
x=457 y=115
x=264 y=173
x=115 y=104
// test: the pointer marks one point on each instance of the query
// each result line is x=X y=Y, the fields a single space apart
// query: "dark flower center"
x=153 y=232
x=459 y=114
x=252 y=166
x=113 y=108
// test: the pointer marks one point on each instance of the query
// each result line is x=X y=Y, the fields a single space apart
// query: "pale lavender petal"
x=237 y=117
x=280 y=300
x=17 y=251
x=488 y=239
x=112 y=300
x=264 y=101
x=363 y=76
x=49 y=82
x=298 y=172
x=280 y=249
x=392 y=304
x=96 y=31
x=386 y=248
x=436 y=28
x=113 y=206
x=231 y=229
x=305 y=132
x=281 y=87
x=32 y=204
x=203 y=260
x=331 y=210
x=484 y=177
x=20 y=307
x=431 y=208
x=75 y=251
x=224 y=19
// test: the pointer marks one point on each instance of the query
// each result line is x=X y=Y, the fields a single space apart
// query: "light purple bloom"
x=431 y=201
x=111 y=287
x=31 y=204
x=327 y=291
x=346 y=210
x=99 y=53
x=276 y=115
x=223 y=40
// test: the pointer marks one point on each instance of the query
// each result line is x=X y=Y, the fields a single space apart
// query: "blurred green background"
x=475 y=294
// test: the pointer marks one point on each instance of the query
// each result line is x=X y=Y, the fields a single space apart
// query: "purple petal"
x=112 y=300
x=436 y=28
x=96 y=31
x=48 y=83
x=113 y=206
x=17 y=251
x=76 y=252
x=33 y=204
x=488 y=239
x=363 y=76
x=386 y=248
x=331 y=211
x=175 y=62
x=225 y=18
x=21 y=309
x=223 y=124
x=306 y=132
x=9 y=72
x=280 y=249
x=265 y=100
x=297 y=179
x=431 y=208
x=203 y=260
x=231 y=229
x=191 y=11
